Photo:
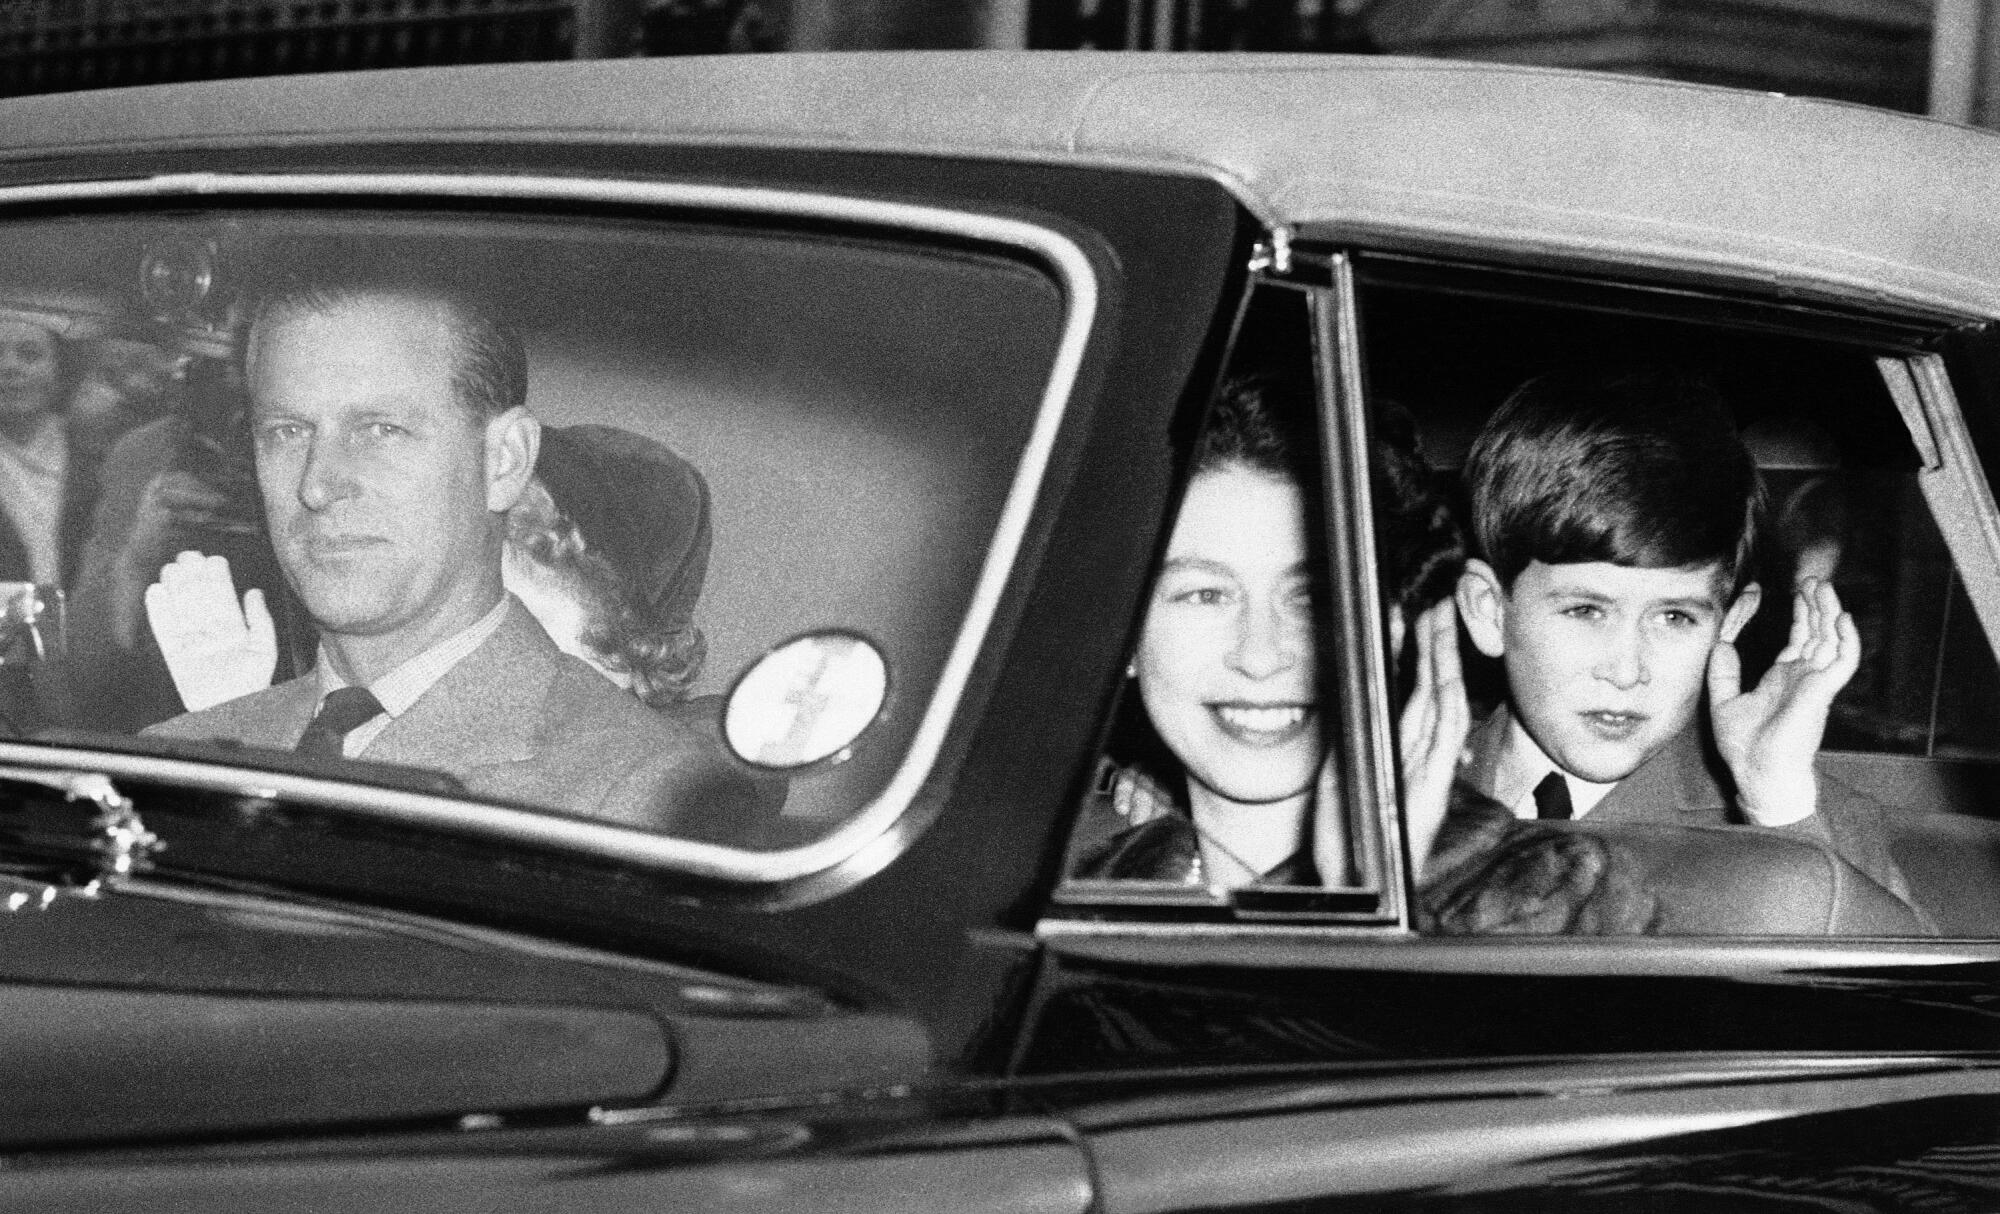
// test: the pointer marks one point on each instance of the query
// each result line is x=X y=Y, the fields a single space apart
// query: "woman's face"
x=27 y=369
x=1226 y=665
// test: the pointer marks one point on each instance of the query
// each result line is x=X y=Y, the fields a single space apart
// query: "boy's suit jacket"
x=1682 y=783
x=516 y=719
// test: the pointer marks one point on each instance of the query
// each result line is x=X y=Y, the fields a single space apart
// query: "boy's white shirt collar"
x=1513 y=764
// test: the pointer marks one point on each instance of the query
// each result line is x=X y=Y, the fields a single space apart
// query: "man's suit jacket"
x=516 y=719
x=1684 y=784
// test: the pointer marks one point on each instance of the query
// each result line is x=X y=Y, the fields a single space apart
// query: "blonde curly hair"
x=662 y=657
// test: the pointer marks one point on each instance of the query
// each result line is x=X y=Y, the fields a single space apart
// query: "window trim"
x=1368 y=780
x=1952 y=479
x=875 y=825
x=1258 y=945
x=1355 y=673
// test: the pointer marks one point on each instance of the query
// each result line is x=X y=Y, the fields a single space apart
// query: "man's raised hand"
x=215 y=648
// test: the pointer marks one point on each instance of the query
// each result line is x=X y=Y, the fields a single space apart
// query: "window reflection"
x=666 y=448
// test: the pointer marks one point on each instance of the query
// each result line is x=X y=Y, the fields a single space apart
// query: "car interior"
x=1840 y=472
x=1843 y=469
x=803 y=373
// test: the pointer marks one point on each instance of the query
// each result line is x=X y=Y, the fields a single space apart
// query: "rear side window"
x=1857 y=495
x=1818 y=456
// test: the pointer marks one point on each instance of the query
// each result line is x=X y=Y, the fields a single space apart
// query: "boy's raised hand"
x=1769 y=736
x=1434 y=725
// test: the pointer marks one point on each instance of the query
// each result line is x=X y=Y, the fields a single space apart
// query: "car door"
x=1296 y=1044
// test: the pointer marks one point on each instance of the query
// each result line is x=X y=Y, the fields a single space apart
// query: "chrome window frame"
x=1065 y=261
x=1366 y=784
x=1371 y=776
x=1254 y=945
x=1952 y=479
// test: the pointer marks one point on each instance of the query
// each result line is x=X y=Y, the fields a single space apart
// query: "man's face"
x=27 y=369
x=373 y=474
x=1605 y=663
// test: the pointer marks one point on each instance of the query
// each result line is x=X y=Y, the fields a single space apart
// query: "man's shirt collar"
x=406 y=684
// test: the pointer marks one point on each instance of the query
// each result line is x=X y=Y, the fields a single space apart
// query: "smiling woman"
x=1222 y=778
x=1226 y=667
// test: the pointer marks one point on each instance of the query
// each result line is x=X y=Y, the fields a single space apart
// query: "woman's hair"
x=1266 y=423
x=1421 y=542
x=662 y=656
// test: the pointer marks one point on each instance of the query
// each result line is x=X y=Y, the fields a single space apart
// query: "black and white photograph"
x=1006 y=606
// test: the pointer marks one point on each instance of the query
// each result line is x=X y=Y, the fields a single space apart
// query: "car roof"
x=1520 y=161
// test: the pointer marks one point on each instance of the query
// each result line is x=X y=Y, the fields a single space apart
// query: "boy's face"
x=1605 y=663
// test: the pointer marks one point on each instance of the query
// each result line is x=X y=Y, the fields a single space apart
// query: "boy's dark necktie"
x=1552 y=798
x=342 y=712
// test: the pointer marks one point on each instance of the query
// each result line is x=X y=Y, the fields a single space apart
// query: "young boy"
x=1613 y=515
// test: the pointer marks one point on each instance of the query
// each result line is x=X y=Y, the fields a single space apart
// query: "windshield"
x=504 y=506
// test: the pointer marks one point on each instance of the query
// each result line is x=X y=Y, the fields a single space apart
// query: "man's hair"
x=489 y=362
x=1635 y=466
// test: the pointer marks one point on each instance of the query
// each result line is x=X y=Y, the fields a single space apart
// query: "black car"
x=874 y=384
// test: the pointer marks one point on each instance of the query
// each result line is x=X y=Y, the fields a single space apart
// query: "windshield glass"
x=502 y=506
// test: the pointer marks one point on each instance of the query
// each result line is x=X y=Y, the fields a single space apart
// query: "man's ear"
x=1482 y=604
x=512 y=439
x=1740 y=611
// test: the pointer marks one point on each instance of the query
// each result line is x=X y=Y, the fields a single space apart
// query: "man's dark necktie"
x=342 y=712
x=1552 y=798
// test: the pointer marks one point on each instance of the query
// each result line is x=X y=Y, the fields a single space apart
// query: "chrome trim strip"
x=1902 y=384
x=1079 y=282
x=1365 y=727
x=1330 y=946
x=1956 y=491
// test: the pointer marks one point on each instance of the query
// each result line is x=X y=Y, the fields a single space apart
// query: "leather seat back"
x=1745 y=881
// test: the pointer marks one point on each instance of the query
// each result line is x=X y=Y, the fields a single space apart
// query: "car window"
x=1851 y=497
x=744 y=431
x=1828 y=419
x=1218 y=787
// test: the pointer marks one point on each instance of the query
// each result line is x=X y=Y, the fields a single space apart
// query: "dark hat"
x=640 y=506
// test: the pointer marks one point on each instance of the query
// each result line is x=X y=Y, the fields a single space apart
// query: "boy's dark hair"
x=1634 y=466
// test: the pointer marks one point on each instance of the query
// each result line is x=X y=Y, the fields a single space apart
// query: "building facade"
x=1874 y=51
